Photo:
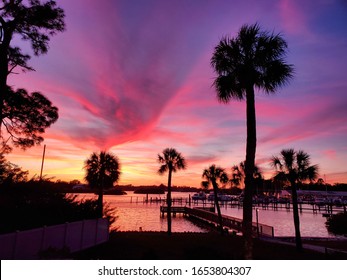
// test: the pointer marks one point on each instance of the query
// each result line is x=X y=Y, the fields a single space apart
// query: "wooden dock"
x=182 y=209
x=210 y=217
x=174 y=210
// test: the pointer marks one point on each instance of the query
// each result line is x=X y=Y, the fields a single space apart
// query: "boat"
x=220 y=196
x=199 y=196
x=320 y=201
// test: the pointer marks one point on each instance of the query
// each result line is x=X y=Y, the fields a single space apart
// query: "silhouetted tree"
x=337 y=224
x=294 y=168
x=11 y=173
x=102 y=171
x=170 y=161
x=238 y=175
x=34 y=21
x=253 y=59
x=213 y=174
x=25 y=118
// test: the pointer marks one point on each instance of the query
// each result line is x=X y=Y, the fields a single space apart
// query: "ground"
x=192 y=246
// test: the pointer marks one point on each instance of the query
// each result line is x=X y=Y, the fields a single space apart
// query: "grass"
x=190 y=246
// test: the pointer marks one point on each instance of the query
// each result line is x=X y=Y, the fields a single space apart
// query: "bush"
x=337 y=224
x=26 y=206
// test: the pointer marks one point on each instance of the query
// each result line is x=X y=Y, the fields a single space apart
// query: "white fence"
x=73 y=237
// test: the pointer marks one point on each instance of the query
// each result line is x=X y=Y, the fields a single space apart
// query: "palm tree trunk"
x=220 y=219
x=169 y=203
x=298 y=241
x=101 y=202
x=249 y=170
x=101 y=193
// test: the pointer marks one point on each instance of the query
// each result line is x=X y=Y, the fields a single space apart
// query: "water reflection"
x=134 y=215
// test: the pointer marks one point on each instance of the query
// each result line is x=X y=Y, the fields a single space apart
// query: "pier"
x=179 y=205
x=207 y=215
x=324 y=209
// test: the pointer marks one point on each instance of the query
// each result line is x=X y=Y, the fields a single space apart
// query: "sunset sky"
x=134 y=77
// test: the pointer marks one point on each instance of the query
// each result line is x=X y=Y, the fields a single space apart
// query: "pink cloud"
x=137 y=79
x=330 y=154
x=293 y=17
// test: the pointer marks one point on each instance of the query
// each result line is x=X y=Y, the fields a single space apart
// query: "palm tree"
x=254 y=59
x=212 y=175
x=294 y=168
x=170 y=161
x=102 y=171
x=238 y=175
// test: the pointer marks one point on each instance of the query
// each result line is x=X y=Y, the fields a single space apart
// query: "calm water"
x=133 y=214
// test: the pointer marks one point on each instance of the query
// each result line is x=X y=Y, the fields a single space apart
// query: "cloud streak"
x=137 y=78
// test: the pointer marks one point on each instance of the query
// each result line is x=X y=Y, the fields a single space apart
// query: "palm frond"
x=253 y=57
x=205 y=184
x=294 y=166
x=171 y=160
x=102 y=169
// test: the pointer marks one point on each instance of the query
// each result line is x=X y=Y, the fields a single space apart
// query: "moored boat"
x=199 y=196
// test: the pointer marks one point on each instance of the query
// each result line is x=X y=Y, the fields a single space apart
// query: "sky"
x=134 y=77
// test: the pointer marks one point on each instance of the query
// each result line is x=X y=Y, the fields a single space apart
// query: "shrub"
x=337 y=224
x=30 y=206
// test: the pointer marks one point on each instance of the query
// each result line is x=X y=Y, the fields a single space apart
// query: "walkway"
x=206 y=215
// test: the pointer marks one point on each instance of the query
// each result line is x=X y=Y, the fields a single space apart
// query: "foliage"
x=213 y=175
x=34 y=21
x=171 y=161
x=254 y=59
x=238 y=175
x=25 y=117
x=31 y=205
x=11 y=173
x=337 y=224
x=294 y=167
x=102 y=170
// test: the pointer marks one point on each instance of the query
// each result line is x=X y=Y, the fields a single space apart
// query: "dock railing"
x=230 y=222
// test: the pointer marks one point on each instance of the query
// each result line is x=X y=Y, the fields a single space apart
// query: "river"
x=135 y=215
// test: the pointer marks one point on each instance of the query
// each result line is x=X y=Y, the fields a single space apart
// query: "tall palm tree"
x=295 y=168
x=170 y=161
x=102 y=171
x=254 y=59
x=212 y=175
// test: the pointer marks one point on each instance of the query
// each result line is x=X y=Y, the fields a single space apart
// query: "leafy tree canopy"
x=25 y=118
x=11 y=173
x=34 y=21
x=102 y=170
x=171 y=160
